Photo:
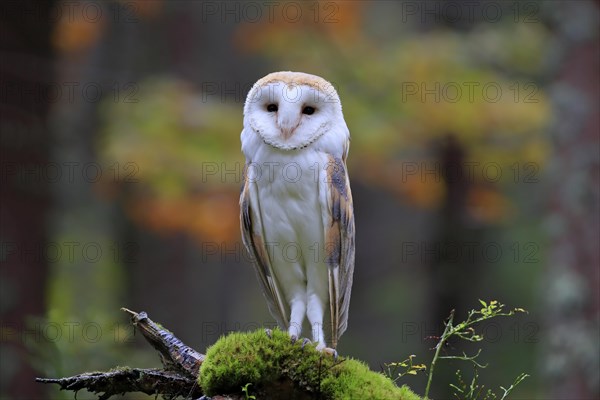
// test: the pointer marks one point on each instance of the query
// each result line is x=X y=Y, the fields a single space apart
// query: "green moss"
x=354 y=380
x=285 y=370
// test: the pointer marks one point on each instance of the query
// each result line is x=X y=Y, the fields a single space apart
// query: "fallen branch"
x=178 y=378
x=122 y=380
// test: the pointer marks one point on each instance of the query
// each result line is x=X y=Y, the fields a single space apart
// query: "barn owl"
x=296 y=212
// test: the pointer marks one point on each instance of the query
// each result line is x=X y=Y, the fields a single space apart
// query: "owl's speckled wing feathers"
x=253 y=238
x=339 y=234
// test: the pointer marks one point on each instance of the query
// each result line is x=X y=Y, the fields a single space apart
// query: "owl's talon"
x=269 y=333
x=305 y=341
x=331 y=352
x=293 y=338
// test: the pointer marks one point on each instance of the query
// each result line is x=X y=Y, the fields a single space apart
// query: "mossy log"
x=266 y=363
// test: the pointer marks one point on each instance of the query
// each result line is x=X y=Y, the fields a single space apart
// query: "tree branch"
x=178 y=378
x=121 y=380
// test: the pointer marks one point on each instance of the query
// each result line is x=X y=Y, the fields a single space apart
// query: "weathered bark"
x=122 y=380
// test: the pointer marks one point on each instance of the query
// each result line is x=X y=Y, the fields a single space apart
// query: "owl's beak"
x=287 y=125
x=287 y=133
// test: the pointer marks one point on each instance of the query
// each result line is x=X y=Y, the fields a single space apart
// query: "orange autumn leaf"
x=341 y=19
x=424 y=193
x=75 y=31
x=142 y=8
x=488 y=205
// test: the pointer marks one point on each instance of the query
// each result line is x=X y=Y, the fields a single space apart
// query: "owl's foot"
x=269 y=333
x=322 y=348
x=329 y=351
x=305 y=341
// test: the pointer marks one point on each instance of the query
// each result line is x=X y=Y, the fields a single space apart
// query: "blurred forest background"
x=474 y=169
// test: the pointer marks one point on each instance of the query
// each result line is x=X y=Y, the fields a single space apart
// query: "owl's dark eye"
x=272 y=108
x=308 y=110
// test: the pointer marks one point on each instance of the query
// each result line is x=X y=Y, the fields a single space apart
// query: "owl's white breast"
x=288 y=190
x=290 y=203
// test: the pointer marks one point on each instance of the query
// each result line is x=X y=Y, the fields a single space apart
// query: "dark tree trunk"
x=453 y=279
x=25 y=72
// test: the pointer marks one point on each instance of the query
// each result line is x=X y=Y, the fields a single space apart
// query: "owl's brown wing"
x=339 y=244
x=252 y=236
